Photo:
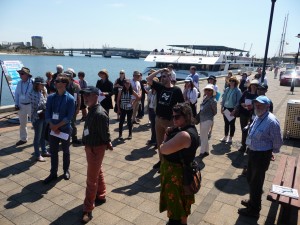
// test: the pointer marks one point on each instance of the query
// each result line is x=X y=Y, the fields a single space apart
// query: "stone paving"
x=132 y=186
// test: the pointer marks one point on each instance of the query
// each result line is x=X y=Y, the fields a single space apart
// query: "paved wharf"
x=132 y=186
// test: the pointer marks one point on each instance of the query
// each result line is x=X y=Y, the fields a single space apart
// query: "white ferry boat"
x=208 y=59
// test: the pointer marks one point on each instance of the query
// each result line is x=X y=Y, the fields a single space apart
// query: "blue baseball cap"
x=263 y=100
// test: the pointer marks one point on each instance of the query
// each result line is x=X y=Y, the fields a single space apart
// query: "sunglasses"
x=121 y=73
x=22 y=74
x=176 y=117
x=232 y=81
x=208 y=90
x=60 y=81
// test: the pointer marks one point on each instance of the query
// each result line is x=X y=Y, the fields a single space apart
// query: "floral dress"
x=172 y=197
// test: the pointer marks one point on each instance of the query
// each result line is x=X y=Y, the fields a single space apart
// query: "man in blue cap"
x=264 y=137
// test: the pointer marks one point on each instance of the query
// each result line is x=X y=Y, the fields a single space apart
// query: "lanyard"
x=257 y=125
x=26 y=88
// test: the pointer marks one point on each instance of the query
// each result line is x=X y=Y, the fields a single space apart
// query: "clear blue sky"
x=151 y=24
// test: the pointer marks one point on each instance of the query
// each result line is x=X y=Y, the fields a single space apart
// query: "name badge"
x=248 y=141
x=22 y=97
x=55 y=116
x=253 y=117
x=201 y=108
x=75 y=97
x=86 y=132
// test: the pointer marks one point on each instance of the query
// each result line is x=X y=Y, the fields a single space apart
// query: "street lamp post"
x=296 y=59
x=268 y=40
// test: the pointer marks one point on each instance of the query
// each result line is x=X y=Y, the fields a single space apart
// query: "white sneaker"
x=223 y=139
x=229 y=140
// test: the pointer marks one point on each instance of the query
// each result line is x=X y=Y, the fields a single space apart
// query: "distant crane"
x=241 y=54
x=282 y=41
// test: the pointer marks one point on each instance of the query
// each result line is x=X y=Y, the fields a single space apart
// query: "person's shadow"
x=141 y=153
x=220 y=149
x=31 y=193
x=146 y=183
x=70 y=217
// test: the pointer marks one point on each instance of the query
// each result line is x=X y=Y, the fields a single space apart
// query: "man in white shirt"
x=22 y=102
x=173 y=74
x=136 y=86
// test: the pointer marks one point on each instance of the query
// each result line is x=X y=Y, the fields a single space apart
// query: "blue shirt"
x=265 y=133
x=195 y=78
x=64 y=106
x=22 y=92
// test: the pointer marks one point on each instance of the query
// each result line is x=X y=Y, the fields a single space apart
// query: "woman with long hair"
x=118 y=85
x=125 y=103
x=230 y=101
x=190 y=94
x=179 y=146
x=38 y=99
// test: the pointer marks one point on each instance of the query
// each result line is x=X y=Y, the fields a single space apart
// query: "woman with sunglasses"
x=118 y=85
x=230 y=101
x=125 y=103
x=38 y=99
x=208 y=109
x=180 y=143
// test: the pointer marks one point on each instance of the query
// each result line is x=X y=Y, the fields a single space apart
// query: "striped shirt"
x=265 y=133
x=38 y=102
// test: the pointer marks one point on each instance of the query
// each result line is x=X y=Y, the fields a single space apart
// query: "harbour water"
x=39 y=65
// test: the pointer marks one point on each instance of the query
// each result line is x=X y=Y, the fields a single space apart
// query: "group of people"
x=53 y=105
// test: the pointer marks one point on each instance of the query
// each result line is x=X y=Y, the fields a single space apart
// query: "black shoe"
x=242 y=149
x=130 y=136
x=248 y=212
x=20 y=142
x=50 y=178
x=86 y=217
x=76 y=142
x=157 y=165
x=151 y=142
x=67 y=175
x=46 y=154
x=99 y=201
x=245 y=203
x=203 y=155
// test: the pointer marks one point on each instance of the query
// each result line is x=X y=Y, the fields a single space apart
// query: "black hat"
x=212 y=77
x=90 y=89
x=39 y=80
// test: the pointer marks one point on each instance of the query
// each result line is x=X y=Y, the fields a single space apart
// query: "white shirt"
x=136 y=86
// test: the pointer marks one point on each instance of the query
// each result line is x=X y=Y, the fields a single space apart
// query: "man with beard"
x=264 y=137
x=167 y=96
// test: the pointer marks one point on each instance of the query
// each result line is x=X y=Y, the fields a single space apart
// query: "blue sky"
x=151 y=24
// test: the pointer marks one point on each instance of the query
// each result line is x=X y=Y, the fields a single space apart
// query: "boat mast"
x=282 y=42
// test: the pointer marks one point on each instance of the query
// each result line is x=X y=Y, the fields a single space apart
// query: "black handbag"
x=191 y=177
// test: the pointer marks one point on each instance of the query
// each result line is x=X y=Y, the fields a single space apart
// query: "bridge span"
x=105 y=52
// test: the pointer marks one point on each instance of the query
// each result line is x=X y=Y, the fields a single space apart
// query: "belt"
x=261 y=151
x=25 y=103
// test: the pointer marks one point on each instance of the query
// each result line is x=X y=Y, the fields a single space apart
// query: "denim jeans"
x=152 y=116
x=39 y=136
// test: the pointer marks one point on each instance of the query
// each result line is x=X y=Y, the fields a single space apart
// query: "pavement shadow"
x=141 y=153
x=146 y=183
x=238 y=186
x=70 y=217
x=17 y=168
x=14 y=149
x=242 y=220
x=238 y=159
x=220 y=149
x=31 y=193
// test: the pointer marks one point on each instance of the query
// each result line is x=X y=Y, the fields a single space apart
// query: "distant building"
x=28 y=44
x=37 y=41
